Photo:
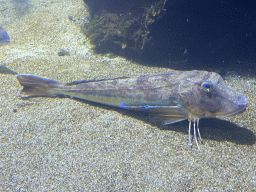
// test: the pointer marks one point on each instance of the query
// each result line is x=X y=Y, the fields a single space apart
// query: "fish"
x=4 y=37
x=168 y=97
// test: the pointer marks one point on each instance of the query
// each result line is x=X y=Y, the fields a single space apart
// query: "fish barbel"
x=168 y=97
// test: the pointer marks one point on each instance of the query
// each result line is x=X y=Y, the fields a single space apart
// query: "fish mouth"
x=239 y=106
x=240 y=109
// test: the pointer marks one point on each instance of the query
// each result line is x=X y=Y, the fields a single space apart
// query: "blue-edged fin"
x=164 y=114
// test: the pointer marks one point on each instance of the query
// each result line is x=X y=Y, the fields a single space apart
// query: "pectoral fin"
x=166 y=120
x=164 y=114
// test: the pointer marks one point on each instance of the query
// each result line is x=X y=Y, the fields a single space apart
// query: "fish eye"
x=207 y=86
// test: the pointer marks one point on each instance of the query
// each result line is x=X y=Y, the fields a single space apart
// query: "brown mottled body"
x=168 y=97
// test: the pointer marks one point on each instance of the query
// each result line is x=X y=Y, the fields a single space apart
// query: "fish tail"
x=37 y=86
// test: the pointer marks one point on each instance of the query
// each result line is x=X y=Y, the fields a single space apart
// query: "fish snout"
x=241 y=104
x=243 y=101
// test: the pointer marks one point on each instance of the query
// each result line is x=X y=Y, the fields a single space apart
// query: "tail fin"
x=37 y=86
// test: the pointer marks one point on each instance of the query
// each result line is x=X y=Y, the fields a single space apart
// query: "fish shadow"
x=218 y=130
x=210 y=128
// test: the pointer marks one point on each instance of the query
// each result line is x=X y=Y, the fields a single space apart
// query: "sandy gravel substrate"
x=60 y=144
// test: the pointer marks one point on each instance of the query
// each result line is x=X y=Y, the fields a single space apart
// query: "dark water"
x=205 y=34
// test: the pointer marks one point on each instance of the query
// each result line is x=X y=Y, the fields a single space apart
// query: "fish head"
x=210 y=97
x=4 y=37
